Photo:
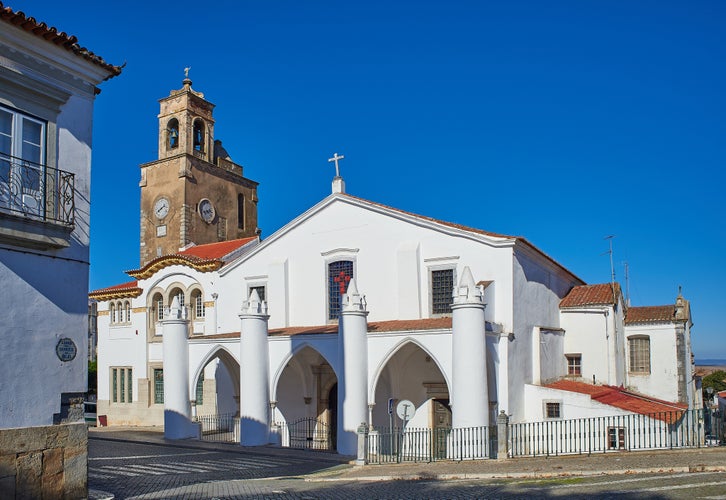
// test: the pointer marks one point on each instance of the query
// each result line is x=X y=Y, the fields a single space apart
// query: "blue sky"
x=560 y=121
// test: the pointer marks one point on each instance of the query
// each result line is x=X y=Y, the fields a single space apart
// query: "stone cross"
x=335 y=158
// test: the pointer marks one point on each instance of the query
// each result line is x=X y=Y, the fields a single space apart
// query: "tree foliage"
x=717 y=380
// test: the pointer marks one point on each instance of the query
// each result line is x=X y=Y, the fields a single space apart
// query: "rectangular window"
x=159 y=309
x=616 y=438
x=121 y=383
x=639 y=354
x=260 y=291
x=574 y=364
x=552 y=409
x=199 y=310
x=22 y=158
x=442 y=288
x=158 y=386
x=340 y=273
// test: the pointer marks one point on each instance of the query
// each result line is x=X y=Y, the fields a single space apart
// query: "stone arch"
x=411 y=371
x=152 y=311
x=392 y=352
x=295 y=350
x=232 y=367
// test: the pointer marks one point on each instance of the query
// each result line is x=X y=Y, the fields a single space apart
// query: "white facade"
x=46 y=113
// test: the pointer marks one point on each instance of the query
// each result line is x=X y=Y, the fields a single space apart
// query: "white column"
x=353 y=376
x=254 y=373
x=177 y=407
x=470 y=395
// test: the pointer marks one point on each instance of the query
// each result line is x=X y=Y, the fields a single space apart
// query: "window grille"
x=442 y=288
x=639 y=354
x=260 y=292
x=553 y=410
x=121 y=384
x=616 y=438
x=574 y=364
x=340 y=273
x=158 y=386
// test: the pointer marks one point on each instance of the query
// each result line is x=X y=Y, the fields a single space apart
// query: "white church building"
x=353 y=306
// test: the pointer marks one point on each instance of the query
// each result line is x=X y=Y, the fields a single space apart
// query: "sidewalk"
x=626 y=462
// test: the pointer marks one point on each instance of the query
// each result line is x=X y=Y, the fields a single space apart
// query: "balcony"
x=37 y=203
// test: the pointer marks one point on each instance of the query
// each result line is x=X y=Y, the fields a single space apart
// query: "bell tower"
x=193 y=192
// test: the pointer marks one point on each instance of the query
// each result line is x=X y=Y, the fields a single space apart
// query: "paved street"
x=153 y=469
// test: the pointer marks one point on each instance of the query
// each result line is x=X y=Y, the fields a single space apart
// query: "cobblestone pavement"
x=137 y=464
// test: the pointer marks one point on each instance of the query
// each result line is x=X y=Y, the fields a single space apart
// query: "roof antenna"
x=612 y=267
x=627 y=285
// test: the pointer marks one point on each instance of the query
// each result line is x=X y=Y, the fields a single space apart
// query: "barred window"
x=158 y=386
x=574 y=364
x=442 y=288
x=121 y=384
x=639 y=354
x=553 y=409
x=340 y=273
x=260 y=292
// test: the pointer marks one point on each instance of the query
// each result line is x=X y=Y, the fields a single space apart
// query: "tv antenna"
x=610 y=252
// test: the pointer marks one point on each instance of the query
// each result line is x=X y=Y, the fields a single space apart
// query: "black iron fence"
x=662 y=430
x=306 y=434
x=36 y=191
x=219 y=428
x=390 y=445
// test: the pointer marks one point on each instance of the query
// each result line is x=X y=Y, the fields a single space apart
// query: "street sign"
x=390 y=406
x=405 y=410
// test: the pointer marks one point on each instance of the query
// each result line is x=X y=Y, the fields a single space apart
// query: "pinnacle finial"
x=468 y=291
x=353 y=300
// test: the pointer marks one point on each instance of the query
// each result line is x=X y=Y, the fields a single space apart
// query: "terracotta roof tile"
x=216 y=250
x=591 y=295
x=625 y=400
x=122 y=290
x=650 y=314
x=52 y=35
x=373 y=327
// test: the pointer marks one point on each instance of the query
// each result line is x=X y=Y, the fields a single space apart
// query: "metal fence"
x=662 y=430
x=36 y=191
x=219 y=428
x=391 y=445
x=305 y=434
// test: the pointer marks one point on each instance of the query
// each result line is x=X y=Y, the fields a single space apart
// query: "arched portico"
x=410 y=371
x=215 y=383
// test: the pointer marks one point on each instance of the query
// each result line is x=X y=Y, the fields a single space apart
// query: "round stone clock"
x=207 y=211
x=161 y=208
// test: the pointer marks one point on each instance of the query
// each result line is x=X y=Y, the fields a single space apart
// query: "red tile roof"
x=625 y=400
x=591 y=295
x=650 y=314
x=216 y=250
x=52 y=35
x=128 y=289
x=204 y=258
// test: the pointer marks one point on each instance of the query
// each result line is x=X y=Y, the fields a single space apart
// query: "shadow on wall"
x=178 y=426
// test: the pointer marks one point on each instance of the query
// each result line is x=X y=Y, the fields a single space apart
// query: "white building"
x=47 y=90
x=462 y=322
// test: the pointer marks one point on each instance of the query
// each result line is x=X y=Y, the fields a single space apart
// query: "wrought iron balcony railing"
x=35 y=191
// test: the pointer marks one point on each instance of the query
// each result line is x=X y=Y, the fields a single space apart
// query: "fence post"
x=502 y=436
x=362 y=439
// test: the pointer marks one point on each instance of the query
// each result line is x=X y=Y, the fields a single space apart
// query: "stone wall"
x=44 y=462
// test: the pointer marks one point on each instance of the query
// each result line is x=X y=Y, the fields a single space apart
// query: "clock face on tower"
x=207 y=211
x=161 y=208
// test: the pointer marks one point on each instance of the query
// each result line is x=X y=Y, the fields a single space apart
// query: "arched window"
x=112 y=312
x=199 y=132
x=157 y=307
x=241 y=211
x=172 y=130
x=127 y=307
x=197 y=303
x=340 y=273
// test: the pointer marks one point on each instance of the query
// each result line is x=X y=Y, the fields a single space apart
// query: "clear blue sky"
x=563 y=122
